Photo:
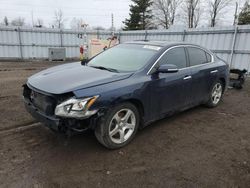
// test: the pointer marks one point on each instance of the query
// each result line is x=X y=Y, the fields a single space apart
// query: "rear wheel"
x=118 y=127
x=215 y=94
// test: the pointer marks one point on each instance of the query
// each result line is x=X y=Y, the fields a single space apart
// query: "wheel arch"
x=223 y=83
x=137 y=103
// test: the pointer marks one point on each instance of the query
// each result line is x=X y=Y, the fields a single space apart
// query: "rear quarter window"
x=209 y=57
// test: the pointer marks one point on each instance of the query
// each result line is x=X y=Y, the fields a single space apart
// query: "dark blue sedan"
x=126 y=88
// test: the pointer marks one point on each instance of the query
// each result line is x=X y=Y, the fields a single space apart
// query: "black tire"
x=102 y=130
x=211 y=103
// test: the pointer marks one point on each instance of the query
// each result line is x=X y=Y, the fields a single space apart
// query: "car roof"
x=160 y=43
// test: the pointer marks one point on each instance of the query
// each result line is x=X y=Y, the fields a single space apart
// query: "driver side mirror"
x=167 y=68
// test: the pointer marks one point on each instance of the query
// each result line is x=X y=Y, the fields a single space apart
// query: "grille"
x=44 y=103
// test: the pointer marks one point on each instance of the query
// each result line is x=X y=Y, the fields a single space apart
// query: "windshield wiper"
x=105 y=68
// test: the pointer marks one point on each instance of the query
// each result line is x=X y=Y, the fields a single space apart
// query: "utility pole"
x=112 y=24
x=236 y=14
x=32 y=18
x=85 y=42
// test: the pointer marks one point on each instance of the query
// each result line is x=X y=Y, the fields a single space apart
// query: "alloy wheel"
x=216 y=93
x=122 y=126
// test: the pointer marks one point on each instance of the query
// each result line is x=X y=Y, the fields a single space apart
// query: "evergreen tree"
x=6 y=21
x=244 y=16
x=140 y=16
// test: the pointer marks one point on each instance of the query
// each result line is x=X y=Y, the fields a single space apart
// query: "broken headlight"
x=76 y=108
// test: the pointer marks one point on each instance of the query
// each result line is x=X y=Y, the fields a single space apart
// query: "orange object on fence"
x=81 y=53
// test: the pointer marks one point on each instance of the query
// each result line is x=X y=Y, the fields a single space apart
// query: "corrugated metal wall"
x=26 y=43
x=230 y=43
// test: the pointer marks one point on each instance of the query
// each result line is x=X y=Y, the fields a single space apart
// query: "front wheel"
x=118 y=127
x=215 y=94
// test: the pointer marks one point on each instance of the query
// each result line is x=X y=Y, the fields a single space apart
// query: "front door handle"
x=213 y=71
x=187 y=77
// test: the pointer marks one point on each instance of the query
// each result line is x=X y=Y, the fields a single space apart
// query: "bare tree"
x=192 y=9
x=18 y=22
x=39 y=22
x=98 y=28
x=215 y=8
x=5 y=21
x=76 y=23
x=197 y=16
x=59 y=20
x=165 y=11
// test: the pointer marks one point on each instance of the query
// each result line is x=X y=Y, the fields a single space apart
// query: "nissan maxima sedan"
x=126 y=88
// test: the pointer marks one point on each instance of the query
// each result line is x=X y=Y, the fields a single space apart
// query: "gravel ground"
x=200 y=147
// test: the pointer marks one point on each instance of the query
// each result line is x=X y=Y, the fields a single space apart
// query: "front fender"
x=118 y=92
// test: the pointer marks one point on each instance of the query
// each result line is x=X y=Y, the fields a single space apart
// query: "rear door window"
x=196 y=56
x=175 y=56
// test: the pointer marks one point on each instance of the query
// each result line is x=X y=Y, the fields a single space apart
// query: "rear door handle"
x=214 y=71
x=187 y=77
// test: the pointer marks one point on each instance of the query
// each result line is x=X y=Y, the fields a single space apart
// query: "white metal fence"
x=230 y=43
x=26 y=43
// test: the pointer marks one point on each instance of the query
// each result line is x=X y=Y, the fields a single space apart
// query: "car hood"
x=71 y=77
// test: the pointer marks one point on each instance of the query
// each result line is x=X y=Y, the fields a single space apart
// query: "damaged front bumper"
x=42 y=107
x=63 y=125
x=51 y=122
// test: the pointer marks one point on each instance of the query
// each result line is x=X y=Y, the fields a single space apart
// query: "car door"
x=202 y=71
x=171 y=91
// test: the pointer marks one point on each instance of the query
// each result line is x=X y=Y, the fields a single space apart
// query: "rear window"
x=196 y=56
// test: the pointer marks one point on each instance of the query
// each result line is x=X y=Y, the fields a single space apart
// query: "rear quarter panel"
x=224 y=70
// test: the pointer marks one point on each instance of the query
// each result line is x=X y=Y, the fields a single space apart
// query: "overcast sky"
x=93 y=12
